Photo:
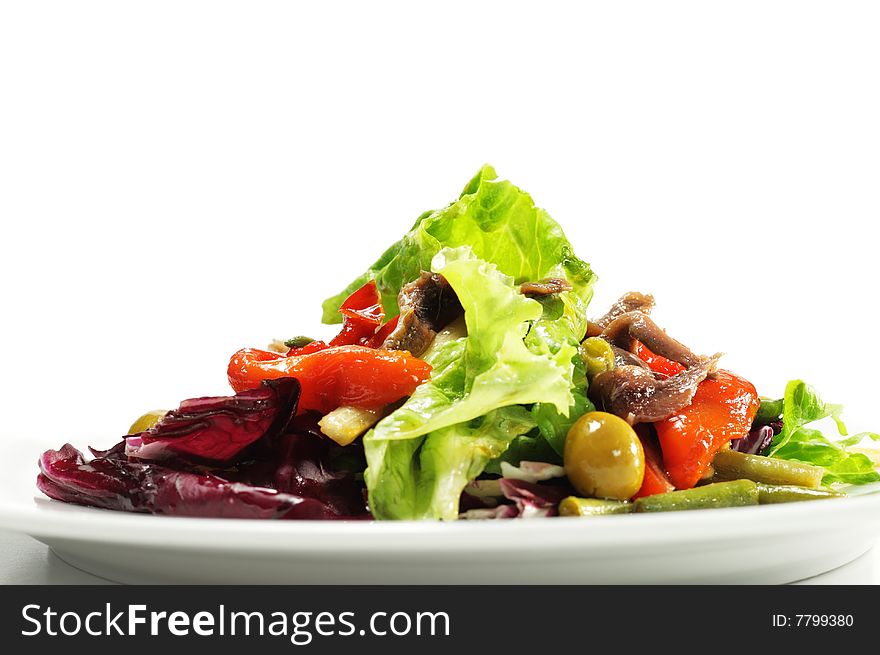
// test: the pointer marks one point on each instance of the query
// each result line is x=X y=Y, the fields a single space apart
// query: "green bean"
x=768 y=411
x=736 y=493
x=597 y=356
x=732 y=465
x=769 y=494
x=574 y=506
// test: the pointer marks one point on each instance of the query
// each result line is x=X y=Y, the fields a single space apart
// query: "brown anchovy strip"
x=628 y=302
x=637 y=396
x=427 y=305
x=636 y=325
x=626 y=358
x=546 y=287
x=632 y=390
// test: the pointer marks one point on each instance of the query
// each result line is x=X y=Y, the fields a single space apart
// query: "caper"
x=603 y=457
x=298 y=342
x=147 y=421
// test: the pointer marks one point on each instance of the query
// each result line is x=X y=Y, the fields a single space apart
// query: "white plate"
x=770 y=544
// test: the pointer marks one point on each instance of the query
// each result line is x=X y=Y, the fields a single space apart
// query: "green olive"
x=147 y=421
x=604 y=457
x=597 y=356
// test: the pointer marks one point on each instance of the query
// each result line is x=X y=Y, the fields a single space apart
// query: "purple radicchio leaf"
x=137 y=486
x=531 y=471
x=218 y=428
x=506 y=498
x=301 y=463
x=756 y=441
x=480 y=494
x=65 y=475
x=498 y=512
x=532 y=500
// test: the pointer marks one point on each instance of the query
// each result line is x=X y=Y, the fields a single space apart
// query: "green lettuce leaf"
x=519 y=359
x=802 y=406
x=501 y=225
x=421 y=456
x=562 y=326
x=528 y=447
x=424 y=477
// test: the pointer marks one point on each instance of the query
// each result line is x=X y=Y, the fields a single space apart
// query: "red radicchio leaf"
x=137 y=486
x=258 y=471
x=218 y=428
x=64 y=475
x=533 y=499
x=300 y=462
x=497 y=512
x=757 y=440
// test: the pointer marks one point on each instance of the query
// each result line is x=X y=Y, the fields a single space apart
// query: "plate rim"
x=28 y=511
x=628 y=531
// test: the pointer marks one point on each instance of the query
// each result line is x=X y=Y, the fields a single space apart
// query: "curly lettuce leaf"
x=421 y=456
x=501 y=225
x=491 y=367
x=802 y=406
x=529 y=448
x=424 y=477
x=561 y=326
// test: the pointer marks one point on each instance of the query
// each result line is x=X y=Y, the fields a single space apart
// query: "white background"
x=181 y=179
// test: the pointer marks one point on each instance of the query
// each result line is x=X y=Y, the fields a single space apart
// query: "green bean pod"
x=733 y=465
x=736 y=493
x=769 y=494
x=574 y=506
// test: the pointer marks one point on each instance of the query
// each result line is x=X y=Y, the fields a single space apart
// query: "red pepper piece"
x=345 y=375
x=378 y=339
x=657 y=363
x=362 y=316
x=311 y=347
x=655 y=480
x=722 y=409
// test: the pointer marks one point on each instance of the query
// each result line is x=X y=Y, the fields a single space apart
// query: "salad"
x=469 y=380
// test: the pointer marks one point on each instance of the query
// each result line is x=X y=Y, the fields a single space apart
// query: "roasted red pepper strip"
x=378 y=339
x=362 y=316
x=311 y=347
x=345 y=375
x=657 y=363
x=655 y=480
x=722 y=409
